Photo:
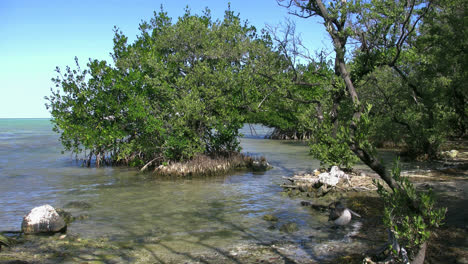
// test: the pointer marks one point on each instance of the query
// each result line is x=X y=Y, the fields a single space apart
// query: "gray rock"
x=43 y=219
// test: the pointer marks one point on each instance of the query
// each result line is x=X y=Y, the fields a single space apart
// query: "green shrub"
x=410 y=214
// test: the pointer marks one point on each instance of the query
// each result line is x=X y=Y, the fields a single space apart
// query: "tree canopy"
x=181 y=89
x=185 y=88
x=394 y=81
x=396 y=78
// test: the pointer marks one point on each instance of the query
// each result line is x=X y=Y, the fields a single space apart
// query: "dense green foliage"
x=181 y=89
x=185 y=88
x=400 y=80
x=403 y=58
x=418 y=95
x=287 y=106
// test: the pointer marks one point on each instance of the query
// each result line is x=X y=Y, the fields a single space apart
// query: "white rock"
x=335 y=171
x=328 y=179
x=450 y=154
x=453 y=153
x=43 y=219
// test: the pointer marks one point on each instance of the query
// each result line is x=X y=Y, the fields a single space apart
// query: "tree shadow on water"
x=207 y=240
x=208 y=243
x=247 y=246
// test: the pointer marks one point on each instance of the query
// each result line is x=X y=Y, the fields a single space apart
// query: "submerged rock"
x=271 y=218
x=315 y=206
x=78 y=204
x=289 y=227
x=43 y=219
x=67 y=217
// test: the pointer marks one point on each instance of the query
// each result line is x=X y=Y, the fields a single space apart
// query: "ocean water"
x=186 y=215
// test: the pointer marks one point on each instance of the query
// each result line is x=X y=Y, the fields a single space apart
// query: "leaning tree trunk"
x=336 y=30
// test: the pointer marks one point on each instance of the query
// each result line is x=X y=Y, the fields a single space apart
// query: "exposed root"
x=289 y=135
x=204 y=166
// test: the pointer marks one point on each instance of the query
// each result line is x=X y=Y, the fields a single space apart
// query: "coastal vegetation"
x=182 y=91
x=179 y=91
x=408 y=94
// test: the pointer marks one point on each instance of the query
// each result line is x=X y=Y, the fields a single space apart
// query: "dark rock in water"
x=271 y=218
x=318 y=207
x=289 y=227
x=260 y=165
x=67 y=217
x=4 y=241
x=78 y=204
x=82 y=217
x=43 y=219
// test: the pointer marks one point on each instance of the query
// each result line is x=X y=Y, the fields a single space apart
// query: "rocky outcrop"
x=260 y=165
x=318 y=183
x=43 y=219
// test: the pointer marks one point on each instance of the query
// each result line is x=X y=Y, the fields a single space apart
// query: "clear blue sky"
x=37 y=36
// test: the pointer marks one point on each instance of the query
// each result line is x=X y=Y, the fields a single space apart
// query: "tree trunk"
x=374 y=164
x=419 y=259
x=340 y=65
x=98 y=159
x=88 y=163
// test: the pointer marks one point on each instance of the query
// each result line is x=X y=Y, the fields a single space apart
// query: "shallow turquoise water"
x=129 y=206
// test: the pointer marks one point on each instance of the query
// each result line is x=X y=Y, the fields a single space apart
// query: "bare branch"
x=404 y=35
